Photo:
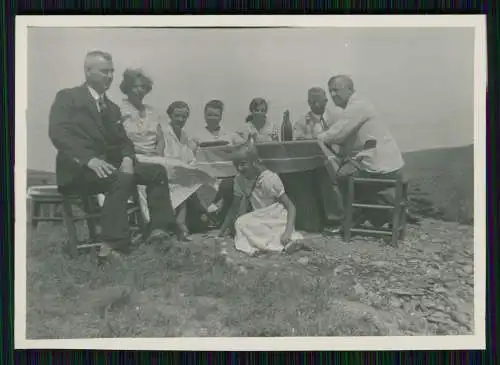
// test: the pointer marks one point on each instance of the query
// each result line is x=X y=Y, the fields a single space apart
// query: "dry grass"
x=206 y=288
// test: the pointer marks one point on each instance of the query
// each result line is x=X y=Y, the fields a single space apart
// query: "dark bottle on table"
x=286 y=127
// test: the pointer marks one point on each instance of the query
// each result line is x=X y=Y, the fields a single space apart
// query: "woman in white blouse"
x=160 y=141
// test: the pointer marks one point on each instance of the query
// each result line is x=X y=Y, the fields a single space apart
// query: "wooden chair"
x=49 y=196
x=399 y=209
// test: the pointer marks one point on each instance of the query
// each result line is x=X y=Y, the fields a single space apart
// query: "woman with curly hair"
x=159 y=141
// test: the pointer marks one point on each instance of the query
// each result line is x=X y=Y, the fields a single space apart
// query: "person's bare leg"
x=181 y=222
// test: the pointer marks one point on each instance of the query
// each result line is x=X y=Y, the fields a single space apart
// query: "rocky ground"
x=205 y=288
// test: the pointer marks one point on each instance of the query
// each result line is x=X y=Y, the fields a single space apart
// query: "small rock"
x=440 y=289
x=381 y=264
x=375 y=300
x=409 y=307
x=468 y=269
x=304 y=260
x=341 y=268
x=243 y=270
x=438 y=240
x=432 y=272
x=223 y=252
x=439 y=317
x=460 y=318
x=451 y=284
x=427 y=303
x=395 y=302
x=424 y=237
x=468 y=253
x=358 y=289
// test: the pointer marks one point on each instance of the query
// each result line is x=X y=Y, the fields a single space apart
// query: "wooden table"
x=297 y=163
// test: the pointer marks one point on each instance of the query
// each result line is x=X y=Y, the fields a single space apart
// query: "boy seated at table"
x=262 y=213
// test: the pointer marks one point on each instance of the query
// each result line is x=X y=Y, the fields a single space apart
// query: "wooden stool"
x=49 y=195
x=399 y=208
x=40 y=197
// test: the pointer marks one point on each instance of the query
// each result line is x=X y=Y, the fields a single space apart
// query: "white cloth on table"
x=184 y=181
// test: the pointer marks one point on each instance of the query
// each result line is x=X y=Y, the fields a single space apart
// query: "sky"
x=420 y=79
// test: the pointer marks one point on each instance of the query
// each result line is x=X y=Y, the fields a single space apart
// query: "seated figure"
x=160 y=142
x=367 y=147
x=94 y=155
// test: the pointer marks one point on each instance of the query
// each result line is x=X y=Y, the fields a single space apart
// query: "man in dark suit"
x=95 y=156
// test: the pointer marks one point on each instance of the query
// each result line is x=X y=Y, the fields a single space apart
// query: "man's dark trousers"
x=118 y=188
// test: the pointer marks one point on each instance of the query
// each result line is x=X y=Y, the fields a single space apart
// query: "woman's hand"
x=127 y=165
x=286 y=237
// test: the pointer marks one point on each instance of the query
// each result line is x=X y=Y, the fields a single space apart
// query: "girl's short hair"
x=245 y=152
x=179 y=104
x=215 y=104
x=257 y=102
x=130 y=76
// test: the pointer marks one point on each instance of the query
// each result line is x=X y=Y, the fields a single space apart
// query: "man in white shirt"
x=365 y=140
x=317 y=120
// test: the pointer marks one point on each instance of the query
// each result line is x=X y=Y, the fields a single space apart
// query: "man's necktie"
x=102 y=104
x=323 y=123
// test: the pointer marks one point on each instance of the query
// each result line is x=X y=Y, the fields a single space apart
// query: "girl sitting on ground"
x=262 y=213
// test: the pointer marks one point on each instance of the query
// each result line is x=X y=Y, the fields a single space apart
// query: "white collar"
x=94 y=93
x=352 y=98
x=317 y=116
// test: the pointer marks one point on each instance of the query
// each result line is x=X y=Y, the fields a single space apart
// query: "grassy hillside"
x=442 y=182
x=441 y=185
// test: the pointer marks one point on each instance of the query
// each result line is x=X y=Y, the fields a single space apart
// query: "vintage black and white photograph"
x=311 y=181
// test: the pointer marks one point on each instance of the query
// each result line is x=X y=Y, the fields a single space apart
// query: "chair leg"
x=349 y=210
x=34 y=211
x=91 y=224
x=69 y=222
x=396 y=217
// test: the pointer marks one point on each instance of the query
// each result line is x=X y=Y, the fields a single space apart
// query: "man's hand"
x=321 y=137
x=101 y=167
x=127 y=166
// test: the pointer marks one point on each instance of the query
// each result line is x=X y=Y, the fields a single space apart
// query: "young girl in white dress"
x=270 y=223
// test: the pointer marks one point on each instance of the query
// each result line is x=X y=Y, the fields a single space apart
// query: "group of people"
x=113 y=149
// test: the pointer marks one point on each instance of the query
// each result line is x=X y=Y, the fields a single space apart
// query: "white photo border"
x=476 y=341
